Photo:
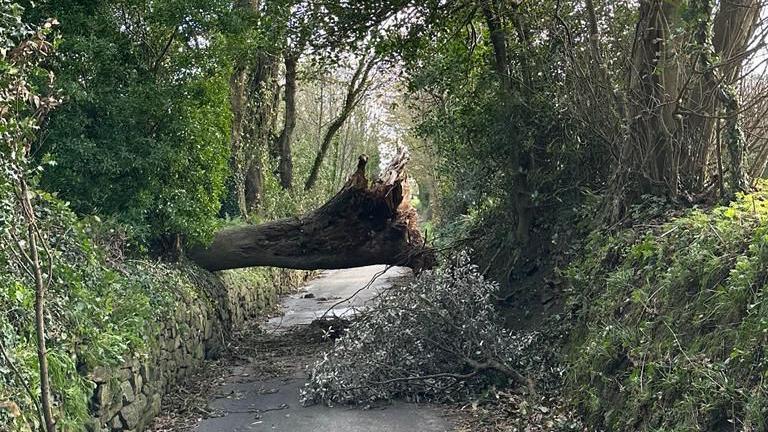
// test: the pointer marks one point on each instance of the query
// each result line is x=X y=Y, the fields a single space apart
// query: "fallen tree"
x=361 y=225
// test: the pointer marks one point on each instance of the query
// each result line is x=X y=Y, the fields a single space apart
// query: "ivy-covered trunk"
x=254 y=102
x=253 y=88
x=733 y=28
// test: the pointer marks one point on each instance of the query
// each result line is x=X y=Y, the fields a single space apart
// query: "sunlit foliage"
x=144 y=135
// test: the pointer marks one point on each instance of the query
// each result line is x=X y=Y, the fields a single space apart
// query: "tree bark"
x=733 y=28
x=498 y=37
x=722 y=41
x=653 y=88
x=648 y=161
x=355 y=90
x=679 y=85
x=253 y=86
x=260 y=120
x=285 y=166
x=237 y=97
x=40 y=289
x=361 y=225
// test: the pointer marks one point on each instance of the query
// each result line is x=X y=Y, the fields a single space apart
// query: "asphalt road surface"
x=273 y=404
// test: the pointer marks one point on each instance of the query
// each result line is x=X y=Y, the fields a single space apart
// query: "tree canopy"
x=227 y=132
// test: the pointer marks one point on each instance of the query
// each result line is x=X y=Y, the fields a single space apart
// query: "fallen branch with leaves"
x=438 y=338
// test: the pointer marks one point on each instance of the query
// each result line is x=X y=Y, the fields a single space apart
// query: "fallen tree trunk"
x=361 y=225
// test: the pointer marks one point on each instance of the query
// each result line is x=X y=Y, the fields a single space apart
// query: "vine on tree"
x=26 y=97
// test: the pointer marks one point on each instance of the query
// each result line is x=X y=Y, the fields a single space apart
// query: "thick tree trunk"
x=359 y=226
x=650 y=153
x=680 y=84
x=284 y=141
x=260 y=118
x=254 y=184
x=253 y=87
x=725 y=34
x=733 y=28
x=237 y=95
x=649 y=158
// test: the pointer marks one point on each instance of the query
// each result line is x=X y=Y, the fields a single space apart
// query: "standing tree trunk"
x=252 y=89
x=261 y=114
x=648 y=161
x=253 y=86
x=284 y=141
x=733 y=19
x=238 y=98
x=521 y=192
x=681 y=82
x=40 y=287
x=356 y=89
x=650 y=152
x=734 y=25
x=733 y=28
x=721 y=42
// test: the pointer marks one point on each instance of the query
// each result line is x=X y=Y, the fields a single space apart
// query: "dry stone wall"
x=128 y=397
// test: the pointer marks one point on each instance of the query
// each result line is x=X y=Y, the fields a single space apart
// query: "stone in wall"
x=128 y=397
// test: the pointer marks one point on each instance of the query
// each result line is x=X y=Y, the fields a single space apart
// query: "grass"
x=671 y=323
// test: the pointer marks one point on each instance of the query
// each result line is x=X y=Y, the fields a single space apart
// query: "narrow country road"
x=251 y=400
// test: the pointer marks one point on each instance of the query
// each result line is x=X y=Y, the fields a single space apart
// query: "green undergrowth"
x=672 y=322
x=100 y=310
